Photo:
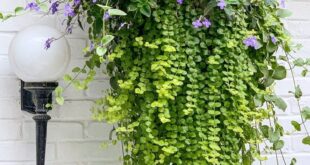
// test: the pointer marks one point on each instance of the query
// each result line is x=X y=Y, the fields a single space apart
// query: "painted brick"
x=98 y=88
x=99 y=130
x=87 y=151
x=22 y=151
x=57 y=131
x=10 y=109
x=10 y=130
x=9 y=87
x=73 y=110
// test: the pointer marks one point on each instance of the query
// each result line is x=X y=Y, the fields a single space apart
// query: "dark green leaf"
x=298 y=92
x=279 y=73
x=278 y=145
x=306 y=140
x=293 y=161
x=296 y=125
x=304 y=72
x=146 y=10
x=264 y=129
x=273 y=136
x=18 y=10
x=76 y=69
x=132 y=7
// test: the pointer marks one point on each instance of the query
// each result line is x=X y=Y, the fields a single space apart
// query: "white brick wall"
x=73 y=139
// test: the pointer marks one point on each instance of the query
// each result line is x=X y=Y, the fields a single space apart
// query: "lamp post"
x=39 y=69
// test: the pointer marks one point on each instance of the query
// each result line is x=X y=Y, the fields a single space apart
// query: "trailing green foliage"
x=191 y=81
x=185 y=95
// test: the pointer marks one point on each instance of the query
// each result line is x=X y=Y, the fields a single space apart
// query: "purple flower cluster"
x=282 y=3
x=274 y=40
x=76 y=2
x=48 y=43
x=221 y=4
x=251 y=42
x=180 y=2
x=54 y=7
x=198 y=23
x=106 y=16
x=69 y=11
x=32 y=6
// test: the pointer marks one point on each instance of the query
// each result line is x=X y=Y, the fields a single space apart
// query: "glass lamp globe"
x=32 y=62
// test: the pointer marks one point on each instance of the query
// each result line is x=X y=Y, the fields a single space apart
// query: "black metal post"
x=41 y=131
x=40 y=96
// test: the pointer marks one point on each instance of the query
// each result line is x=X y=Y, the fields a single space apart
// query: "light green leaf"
x=107 y=39
x=104 y=7
x=299 y=62
x=280 y=103
x=116 y=12
x=58 y=91
x=273 y=135
x=283 y=13
x=60 y=100
x=306 y=113
x=101 y=51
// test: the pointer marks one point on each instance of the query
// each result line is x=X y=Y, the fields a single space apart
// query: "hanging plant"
x=191 y=81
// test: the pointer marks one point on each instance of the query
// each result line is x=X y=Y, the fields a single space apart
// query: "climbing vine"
x=191 y=81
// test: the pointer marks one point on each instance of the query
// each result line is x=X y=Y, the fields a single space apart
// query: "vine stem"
x=295 y=86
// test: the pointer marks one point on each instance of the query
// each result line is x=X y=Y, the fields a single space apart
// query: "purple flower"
x=197 y=23
x=180 y=2
x=221 y=4
x=106 y=16
x=48 y=43
x=206 y=23
x=251 y=42
x=54 y=7
x=282 y=3
x=77 y=2
x=274 y=39
x=92 y=46
x=69 y=11
x=32 y=6
x=94 y=1
x=69 y=29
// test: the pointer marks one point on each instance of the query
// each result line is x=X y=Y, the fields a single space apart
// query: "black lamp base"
x=27 y=103
x=35 y=97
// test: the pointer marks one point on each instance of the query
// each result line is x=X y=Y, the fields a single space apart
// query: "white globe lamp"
x=39 y=64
